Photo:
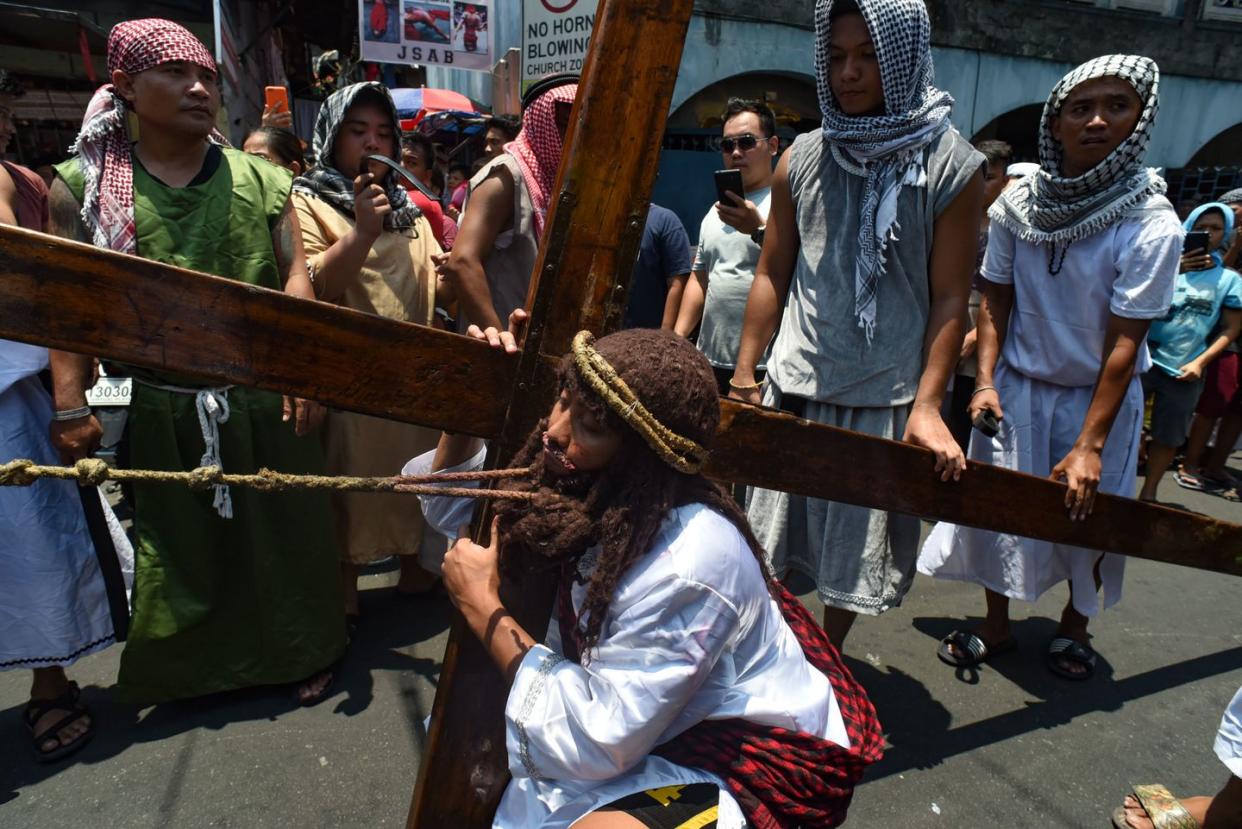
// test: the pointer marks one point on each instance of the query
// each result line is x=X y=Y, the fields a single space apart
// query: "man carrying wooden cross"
x=866 y=267
x=1082 y=256
x=680 y=683
x=232 y=588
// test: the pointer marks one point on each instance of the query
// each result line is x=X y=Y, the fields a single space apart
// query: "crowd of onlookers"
x=441 y=171
x=881 y=275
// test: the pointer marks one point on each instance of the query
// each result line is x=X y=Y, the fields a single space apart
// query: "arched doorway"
x=792 y=97
x=1214 y=168
x=1019 y=128
x=690 y=151
x=1224 y=150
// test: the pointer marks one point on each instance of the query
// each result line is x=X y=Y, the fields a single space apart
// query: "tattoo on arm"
x=66 y=214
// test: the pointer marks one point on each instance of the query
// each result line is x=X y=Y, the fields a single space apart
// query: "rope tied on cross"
x=94 y=472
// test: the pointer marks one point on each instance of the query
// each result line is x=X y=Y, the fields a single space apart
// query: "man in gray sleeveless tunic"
x=874 y=291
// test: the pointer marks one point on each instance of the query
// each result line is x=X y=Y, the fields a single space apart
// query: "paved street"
x=1007 y=746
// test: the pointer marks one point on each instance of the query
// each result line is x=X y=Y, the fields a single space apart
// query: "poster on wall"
x=455 y=34
x=555 y=36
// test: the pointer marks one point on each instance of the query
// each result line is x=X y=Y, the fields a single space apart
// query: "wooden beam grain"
x=75 y=297
x=580 y=278
x=775 y=450
x=65 y=295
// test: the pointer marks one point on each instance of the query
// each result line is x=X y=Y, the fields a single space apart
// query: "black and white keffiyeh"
x=1233 y=196
x=885 y=149
x=1048 y=208
x=323 y=181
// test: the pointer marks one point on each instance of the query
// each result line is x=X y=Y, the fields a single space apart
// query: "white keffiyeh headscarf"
x=1047 y=207
x=886 y=149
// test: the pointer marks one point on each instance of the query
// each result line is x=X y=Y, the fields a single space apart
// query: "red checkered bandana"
x=103 y=145
x=538 y=148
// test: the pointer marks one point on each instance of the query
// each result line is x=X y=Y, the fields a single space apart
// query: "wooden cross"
x=74 y=297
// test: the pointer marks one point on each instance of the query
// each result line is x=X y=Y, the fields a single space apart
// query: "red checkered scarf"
x=537 y=148
x=781 y=779
x=103 y=145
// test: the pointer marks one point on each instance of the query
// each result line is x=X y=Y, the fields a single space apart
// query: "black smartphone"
x=987 y=423
x=729 y=181
x=1196 y=240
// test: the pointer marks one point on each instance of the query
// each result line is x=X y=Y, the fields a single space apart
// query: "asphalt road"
x=1007 y=746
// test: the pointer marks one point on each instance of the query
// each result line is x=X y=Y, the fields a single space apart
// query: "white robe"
x=1045 y=378
x=1229 y=736
x=53 y=604
x=691 y=634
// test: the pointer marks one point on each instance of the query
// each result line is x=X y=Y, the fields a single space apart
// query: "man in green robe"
x=233 y=588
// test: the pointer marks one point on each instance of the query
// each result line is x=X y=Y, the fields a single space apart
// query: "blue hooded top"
x=1198 y=299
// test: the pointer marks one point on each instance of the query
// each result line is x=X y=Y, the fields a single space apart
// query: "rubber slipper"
x=1228 y=493
x=1063 y=647
x=977 y=651
x=1196 y=481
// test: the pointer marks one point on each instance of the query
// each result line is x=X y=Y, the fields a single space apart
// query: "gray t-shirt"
x=820 y=352
x=728 y=257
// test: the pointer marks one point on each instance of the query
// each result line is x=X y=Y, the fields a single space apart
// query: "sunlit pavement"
x=1009 y=745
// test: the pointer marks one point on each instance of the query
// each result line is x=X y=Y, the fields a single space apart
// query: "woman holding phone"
x=368 y=247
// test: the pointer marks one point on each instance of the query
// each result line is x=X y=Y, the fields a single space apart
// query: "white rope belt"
x=212 y=405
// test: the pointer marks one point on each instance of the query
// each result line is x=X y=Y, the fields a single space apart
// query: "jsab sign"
x=450 y=33
x=555 y=36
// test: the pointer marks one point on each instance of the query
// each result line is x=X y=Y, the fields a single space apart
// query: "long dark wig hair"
x=622 y=507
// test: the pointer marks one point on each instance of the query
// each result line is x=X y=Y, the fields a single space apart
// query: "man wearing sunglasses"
x=730 y=238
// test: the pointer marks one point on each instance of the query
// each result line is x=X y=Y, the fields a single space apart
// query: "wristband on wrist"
x=744 y=386
x=982 y=388
x=71 y=414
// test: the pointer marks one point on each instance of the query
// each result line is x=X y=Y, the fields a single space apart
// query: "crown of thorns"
x=679 y=452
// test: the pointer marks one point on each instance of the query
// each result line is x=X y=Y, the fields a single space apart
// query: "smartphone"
x=987 y=423
x=276 y=98
x=1196 y=240
x=729 y=181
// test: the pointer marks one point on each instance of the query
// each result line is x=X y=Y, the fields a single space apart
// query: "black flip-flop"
x=977 y=651
x=1063 y=647
x=68 y=701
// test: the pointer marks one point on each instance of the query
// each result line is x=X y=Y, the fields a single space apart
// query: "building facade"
x=998 y=59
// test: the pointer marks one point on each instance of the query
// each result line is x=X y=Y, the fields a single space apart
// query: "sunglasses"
x=745 y=143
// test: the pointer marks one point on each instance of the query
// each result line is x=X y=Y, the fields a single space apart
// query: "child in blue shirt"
x=1182 y=345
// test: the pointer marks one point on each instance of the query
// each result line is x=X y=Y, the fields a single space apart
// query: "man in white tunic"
x=1081 y=257
x=679 y=682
